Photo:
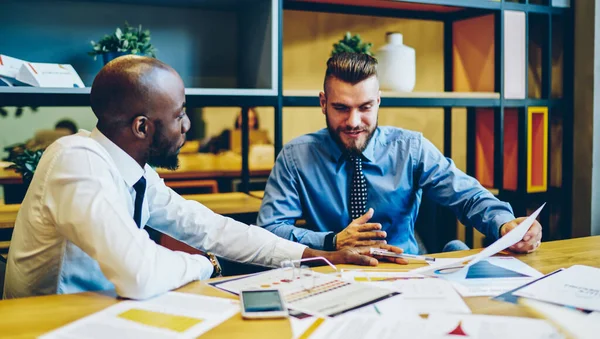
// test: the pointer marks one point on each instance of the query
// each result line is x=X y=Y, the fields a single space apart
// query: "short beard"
x=160 y=154
x=338 y=140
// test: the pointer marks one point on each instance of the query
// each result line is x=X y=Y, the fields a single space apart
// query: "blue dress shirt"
x=311 y=181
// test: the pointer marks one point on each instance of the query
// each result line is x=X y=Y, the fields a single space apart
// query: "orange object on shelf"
x=537 y=149
x=473 y=54
x=484 y=146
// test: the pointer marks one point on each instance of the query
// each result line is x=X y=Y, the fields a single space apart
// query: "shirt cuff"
x=497 y=222
x=206 y=267
x=286 y=250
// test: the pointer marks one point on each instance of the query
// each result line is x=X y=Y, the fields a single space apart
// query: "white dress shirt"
x=75 y=230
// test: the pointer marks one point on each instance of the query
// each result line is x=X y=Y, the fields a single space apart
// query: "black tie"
x=358 y=189
x=140 y=190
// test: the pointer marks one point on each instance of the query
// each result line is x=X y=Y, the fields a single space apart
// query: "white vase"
x=397 y=65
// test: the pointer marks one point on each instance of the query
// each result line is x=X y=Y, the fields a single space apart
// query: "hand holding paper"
x=532 y=239
x=509 y=239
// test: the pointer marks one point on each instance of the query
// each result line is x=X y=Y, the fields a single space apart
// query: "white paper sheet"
x=442 y=261
x=437 y=326
x=360 y=326
x=310 y=292
x=299 y=326
x=420 y=294
x=171 y=315
x=493 y=276
x=575 y=323
x=595 y=316
x=577 y=286
x=447 y=325
x=490 y=277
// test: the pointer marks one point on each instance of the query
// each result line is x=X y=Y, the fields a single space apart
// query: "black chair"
x=435 y=226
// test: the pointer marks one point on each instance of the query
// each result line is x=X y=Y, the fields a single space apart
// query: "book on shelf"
x=17 y=72
x=49 y=75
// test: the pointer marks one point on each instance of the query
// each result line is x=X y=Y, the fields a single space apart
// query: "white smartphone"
x=258 y=304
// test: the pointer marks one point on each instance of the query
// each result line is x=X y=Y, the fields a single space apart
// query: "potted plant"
x=352 y=44
x=128 y=40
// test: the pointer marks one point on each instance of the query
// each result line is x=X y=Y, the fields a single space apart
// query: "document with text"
x=171 y=315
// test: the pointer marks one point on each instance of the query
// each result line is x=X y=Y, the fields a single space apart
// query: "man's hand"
x=355 y=255
x=532 y=239
x=360 y=233
x=362 y=256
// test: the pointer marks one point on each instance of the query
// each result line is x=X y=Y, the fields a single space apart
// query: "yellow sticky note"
x=171 y=322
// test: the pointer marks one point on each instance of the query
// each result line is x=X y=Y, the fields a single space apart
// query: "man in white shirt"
x=80 y=226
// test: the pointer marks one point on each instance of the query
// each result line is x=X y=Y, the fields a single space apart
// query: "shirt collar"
x=337 y=154
x=130 y=170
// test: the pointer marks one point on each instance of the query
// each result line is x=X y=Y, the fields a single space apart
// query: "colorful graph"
x=483 y=270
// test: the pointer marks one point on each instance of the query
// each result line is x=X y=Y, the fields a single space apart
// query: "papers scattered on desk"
x=300 y=325
x=481 y=275
x=438 y=325
x=574 y=323
x=490 y=327
x=369 y=326
x=419 y=294
x=577 y=286
x=491 y=276
x=172 y=315
x=459 y=266
x=310 y=292
x=508 y=239
x=488 y=277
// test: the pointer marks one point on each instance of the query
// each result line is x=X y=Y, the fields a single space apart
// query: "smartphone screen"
x=262 y=301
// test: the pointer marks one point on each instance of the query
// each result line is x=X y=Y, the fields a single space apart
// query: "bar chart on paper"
x=488 y=277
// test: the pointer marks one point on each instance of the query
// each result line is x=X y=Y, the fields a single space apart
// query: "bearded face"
x=351 y=112
x=353 y=139
x=164 y=151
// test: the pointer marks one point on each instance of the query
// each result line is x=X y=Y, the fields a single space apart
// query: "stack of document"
x=17 y=72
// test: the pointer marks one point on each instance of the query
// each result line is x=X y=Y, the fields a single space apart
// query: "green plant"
x=352 y=44
x=128 y=39
x=26 y=163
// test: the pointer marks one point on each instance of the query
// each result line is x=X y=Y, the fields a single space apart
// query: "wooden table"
x=30 y=317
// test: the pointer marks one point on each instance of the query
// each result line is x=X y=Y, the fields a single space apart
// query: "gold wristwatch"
x=215 y=262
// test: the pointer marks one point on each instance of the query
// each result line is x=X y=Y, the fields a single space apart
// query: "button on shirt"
x=75 y=229
x=310 y=181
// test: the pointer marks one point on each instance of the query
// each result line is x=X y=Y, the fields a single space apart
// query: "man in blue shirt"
x=357 y=184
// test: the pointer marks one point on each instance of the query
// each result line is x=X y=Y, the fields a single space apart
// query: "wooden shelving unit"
x=230 y=53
